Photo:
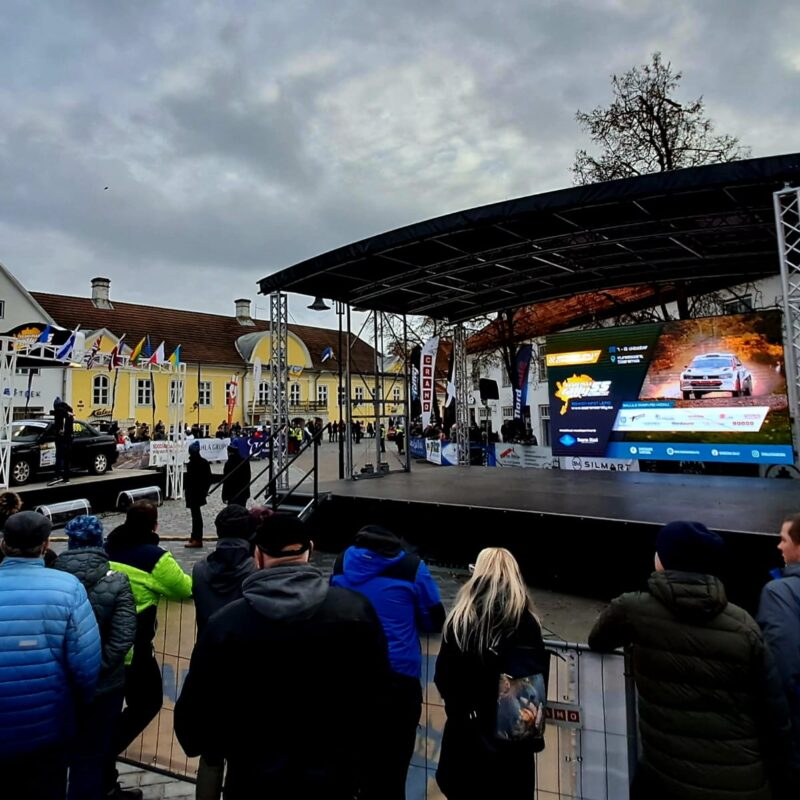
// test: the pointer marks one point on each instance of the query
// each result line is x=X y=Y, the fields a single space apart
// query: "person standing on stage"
x=713 y=720
x=198 y=482
x=63 y=417
x=779 y=618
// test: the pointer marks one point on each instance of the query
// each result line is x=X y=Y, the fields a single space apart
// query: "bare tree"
x=646 y=129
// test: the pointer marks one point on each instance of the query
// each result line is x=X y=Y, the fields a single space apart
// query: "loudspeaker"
x=488 y=390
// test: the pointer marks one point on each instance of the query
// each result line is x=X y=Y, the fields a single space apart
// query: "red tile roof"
x=204 y=338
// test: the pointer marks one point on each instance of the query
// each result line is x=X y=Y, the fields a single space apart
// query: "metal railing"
x=590 y=734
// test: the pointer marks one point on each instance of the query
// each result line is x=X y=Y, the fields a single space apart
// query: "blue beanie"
x=194 y=447
x=690 y=547
x=84 y=531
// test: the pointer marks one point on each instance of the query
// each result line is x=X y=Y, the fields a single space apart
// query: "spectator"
x=217 y=582
x=491 y=630
x=198 y=482
x=153 y=572
x=315 y=655
x=406 y=598
x=779 y=618
x=62 y=425
x=10 y=503
x=236 y=478
x=111 y=598
x=49 y=661
x=713 y=721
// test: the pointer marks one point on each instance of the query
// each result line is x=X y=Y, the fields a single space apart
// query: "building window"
x=205 y=430
x=359 y=394
x=396 y=394
x=263 y=394
x=2 y=308
x=27 y=371
x=508 y=412
x=175 y=392
x=322 y=394
x=541 y=364
x=738 y=305
x=506 y=378
x=204 y=393
x=340 y=396
x=294 y=394
x=484 y=413
x=144 y=392
x=544 y=426
x=100 y=386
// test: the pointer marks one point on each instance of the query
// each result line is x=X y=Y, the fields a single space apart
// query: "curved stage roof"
x=707 y=226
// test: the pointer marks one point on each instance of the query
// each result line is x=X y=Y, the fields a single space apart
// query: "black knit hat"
x=235 y=522
x=690 y=547
x=379 y=540
x=282 y=535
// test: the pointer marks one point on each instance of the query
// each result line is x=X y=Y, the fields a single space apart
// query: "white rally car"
x=716 y=372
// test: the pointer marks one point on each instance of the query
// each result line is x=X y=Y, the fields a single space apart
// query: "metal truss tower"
x=279 y=383
x=787 y=223
x=462 y=394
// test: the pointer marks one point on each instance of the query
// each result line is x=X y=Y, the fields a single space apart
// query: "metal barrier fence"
x=590 y=732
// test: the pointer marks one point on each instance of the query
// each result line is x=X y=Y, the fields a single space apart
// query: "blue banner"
x=522 y=365
x=416 y=446
x=734 y=454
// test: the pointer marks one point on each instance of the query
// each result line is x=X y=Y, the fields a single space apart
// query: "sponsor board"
x=587 y=464
x=707 y=420
x=525 y=456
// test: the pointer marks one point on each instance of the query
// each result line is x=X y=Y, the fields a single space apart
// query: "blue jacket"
x=404 y=595
x=49 y=654
x=779 y=618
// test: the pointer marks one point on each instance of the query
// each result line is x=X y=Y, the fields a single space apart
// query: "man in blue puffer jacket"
x=407 y=601
x=49 y=661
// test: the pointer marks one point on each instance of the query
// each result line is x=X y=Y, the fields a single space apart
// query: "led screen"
x=710 y=389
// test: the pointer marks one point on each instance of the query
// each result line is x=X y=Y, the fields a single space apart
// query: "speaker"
x=488 y=390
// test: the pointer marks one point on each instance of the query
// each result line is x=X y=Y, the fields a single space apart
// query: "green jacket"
x=713 y=721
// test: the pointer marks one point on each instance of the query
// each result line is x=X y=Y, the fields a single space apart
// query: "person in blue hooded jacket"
x=49 y=661
x=407 y=601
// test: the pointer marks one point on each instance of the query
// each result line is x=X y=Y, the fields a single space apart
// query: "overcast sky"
x=238 y=138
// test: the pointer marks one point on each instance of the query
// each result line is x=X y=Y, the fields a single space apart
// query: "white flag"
x=256 y=376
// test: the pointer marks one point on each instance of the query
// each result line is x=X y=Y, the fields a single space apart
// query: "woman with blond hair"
x=491 y=632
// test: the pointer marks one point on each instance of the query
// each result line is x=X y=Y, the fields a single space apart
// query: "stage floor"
x=745 y=505
x=84 y=478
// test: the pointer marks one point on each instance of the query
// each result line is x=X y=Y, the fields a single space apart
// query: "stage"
x=584 y=532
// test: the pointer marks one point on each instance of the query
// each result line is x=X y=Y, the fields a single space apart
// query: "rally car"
x=33 y=449
x=716 y=372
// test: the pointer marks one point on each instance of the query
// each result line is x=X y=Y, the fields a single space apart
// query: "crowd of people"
x=303 y=684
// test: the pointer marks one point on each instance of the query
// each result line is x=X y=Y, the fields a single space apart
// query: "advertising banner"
x=599 y=464
x=416 y=446
x=416 y=403
x=433 y=451
x=711 y=389
x=141 y=455
x=524 y=455
x=427 y=384
x=522 y=365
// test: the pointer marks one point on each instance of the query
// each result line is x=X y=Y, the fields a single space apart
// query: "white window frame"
x=396 y=394
x=322 y=393
x=508 y=412
x=544 y=425
x=358 y=394
x=204 y=394
x=176 y=391
x=144 y=393
x=263 y=393
x=294 y=394
x=738 y=305
x=101 y=391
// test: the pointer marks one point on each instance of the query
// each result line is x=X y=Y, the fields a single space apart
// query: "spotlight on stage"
x=61 y=513
x=318 y=305
x=130 y=496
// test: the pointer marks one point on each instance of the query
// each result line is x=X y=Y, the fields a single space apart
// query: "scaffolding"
x=787 y=224
x=279 y=380
x=462 y=394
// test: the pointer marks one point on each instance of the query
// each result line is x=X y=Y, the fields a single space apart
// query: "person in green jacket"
x=133 y=549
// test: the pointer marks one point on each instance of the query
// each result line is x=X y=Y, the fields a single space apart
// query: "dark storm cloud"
x=237 y=140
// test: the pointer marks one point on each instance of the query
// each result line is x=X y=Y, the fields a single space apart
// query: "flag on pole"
x=116 y=354
x=91 y=356
x=148 y=348
x=44 y=336
x=158 y=356
x=175 y=358
x=326 y=354
x=136 y=352
x=66 y=350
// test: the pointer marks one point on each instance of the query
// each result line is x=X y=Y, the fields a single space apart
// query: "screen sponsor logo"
x=578 y=387
x=577 y=358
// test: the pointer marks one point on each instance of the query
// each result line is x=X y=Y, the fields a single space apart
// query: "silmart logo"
x=579 y=386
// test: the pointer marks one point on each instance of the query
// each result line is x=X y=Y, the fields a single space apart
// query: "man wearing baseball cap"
x=310 y=664
x=713 y=721
x=49 y=660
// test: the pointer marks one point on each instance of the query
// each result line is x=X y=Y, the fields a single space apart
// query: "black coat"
x=284 y=685
x=713 y=720
x=62 y=421
x=472 y=762
x=198 y=481
x=236 y=479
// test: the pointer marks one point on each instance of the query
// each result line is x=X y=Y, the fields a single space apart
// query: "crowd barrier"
x=589 y=733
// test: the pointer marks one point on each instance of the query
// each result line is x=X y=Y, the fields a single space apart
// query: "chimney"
x=243 y=311
x=101 y=290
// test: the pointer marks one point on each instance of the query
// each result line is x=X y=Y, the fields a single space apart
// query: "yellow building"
x=220 y=352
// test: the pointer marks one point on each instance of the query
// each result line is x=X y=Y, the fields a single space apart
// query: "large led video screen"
x=711 y=389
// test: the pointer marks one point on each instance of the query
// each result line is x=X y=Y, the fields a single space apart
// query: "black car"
x=33 y=449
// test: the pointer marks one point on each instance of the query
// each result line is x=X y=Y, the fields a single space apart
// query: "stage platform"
x=582 y=532
x=100 y=490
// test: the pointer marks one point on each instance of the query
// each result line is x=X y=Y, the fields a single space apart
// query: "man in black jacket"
x=198 y=482
x=311 y=667
x=63 y=417
x=713 y=721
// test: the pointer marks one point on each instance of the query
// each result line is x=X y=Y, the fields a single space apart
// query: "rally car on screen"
x=33 y=449
x=716 y=372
